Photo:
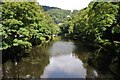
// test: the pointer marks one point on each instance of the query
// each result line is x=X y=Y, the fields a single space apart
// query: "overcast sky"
x=66 y=4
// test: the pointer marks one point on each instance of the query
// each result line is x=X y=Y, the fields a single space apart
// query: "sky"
x=66 y=4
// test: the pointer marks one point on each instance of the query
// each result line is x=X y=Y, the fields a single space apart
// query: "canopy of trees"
x=24 y=24
x=98 y=23
x=58 y=15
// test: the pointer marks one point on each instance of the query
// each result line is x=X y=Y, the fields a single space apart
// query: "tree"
x=24 y=24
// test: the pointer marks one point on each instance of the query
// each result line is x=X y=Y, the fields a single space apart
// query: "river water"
x=63 y=62
x=58 y=59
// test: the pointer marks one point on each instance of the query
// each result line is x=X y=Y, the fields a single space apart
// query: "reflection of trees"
x=32 y=65
x=101 y=62
x=106 y=61
x=83 y=51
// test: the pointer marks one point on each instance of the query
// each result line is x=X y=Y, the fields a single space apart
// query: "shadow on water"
x=99 y=62
x=106 y=63
x=25 y=65
x=13 y=54
x=10 y=58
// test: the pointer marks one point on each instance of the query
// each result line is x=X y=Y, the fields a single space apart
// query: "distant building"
x=60 y=23
x=68 y=15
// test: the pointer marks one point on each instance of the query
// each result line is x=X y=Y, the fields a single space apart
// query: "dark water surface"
x=58 y=59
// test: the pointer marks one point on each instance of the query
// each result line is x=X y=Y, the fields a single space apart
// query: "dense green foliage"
x=58 y=15
x=96 y=23
x=24 y=24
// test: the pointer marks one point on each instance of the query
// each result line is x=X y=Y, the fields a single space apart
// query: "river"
x=56 y=59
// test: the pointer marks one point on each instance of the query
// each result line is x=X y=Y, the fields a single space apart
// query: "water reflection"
x=65 y=60
x=63 y=63
x=31 y=66
x=61 y=48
